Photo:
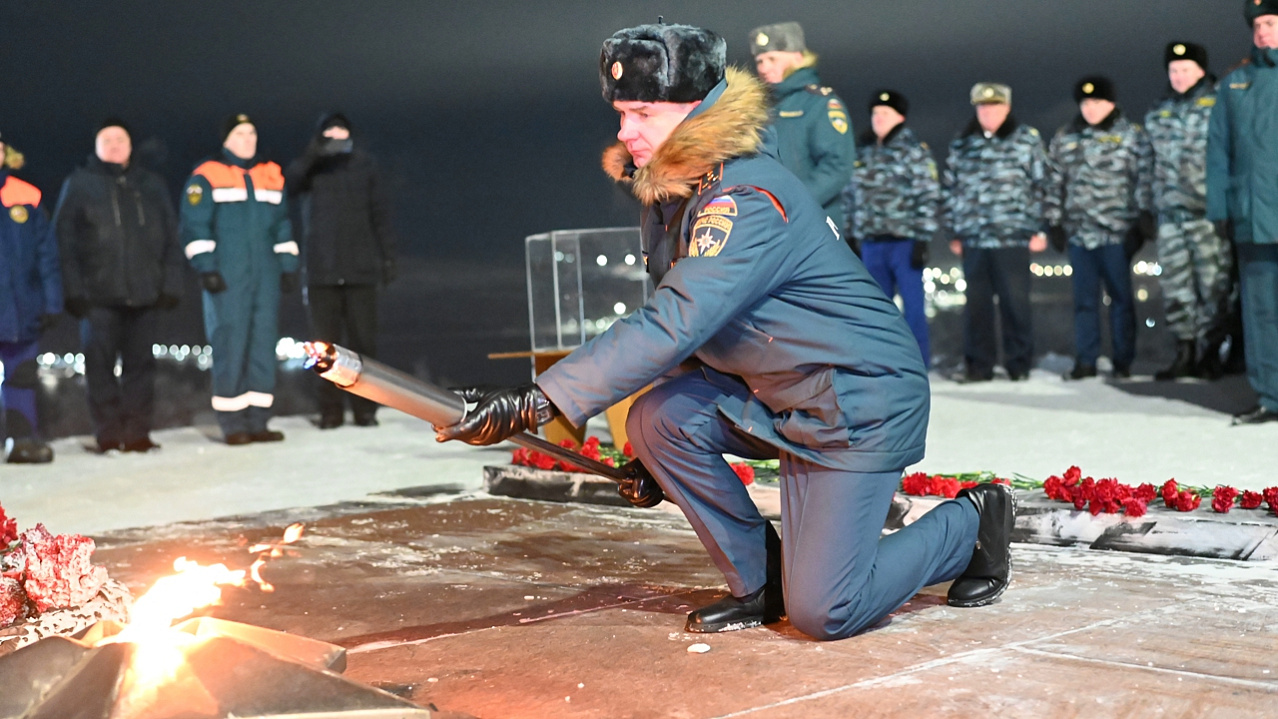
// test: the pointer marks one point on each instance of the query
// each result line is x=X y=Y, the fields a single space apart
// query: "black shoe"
x=332 y=421
x=1081 y=371
x=267 y=435
x=366 y=421
x=236 y=439
x=1121 y=372
x=139 y=445
x=1257 y=415
x=990 y=570
x=1209 y=365
x=103 y=446
x=1018 y=376
x=1182 y=366
x=28 y=450
x=765 y=606
x=971 y=376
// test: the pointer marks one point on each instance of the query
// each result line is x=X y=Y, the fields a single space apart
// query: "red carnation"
x=1187 y=501
x=1134 y=507
x=916 y=484
x=745 y=472
x=1073 y=475
x=541 y=461
x=8 y=530
x=1054 y=488
x=1000 y=480
x=628 y=450
x=1250 y=499
x=947 y=487
x=1271 y=498
x=1169 y=492
x=1145 y=493
x=1222 y=498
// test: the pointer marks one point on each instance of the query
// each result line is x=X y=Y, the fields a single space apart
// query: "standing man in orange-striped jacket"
x=237 y=235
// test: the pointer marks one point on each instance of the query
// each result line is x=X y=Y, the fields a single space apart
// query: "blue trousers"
x=1258 y=274
x=888 y=260
x=242 y=324
x=839 y=576
x=18 y=394
x=1110 y=266
x=1001 y=272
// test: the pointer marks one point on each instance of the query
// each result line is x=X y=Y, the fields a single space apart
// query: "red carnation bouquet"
x=593 y=449
x=40 y=571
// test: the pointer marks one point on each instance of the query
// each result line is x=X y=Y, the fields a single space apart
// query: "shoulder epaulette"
x=818 y=89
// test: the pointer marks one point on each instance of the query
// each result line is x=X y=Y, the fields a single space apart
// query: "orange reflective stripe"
x=267 y=176
x=220 y=175
x=775 y=203
x=16 y=192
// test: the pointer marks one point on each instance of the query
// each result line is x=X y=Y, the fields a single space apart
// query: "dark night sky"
x=486 y=115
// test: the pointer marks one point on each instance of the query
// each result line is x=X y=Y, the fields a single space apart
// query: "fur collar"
x=733 y=126
x=868 y=137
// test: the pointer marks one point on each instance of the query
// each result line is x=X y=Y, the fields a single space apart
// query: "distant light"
x=1150 y=322
x=1069 y=270
x=630 y=259
x=619 y=308
x=961 y=285
x=1142 y=294
x=601 y=261
x=1049 y=271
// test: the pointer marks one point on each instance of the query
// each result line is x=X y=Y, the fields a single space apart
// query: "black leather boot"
x=764 y=606
x=990 y=570
x=1182 y=366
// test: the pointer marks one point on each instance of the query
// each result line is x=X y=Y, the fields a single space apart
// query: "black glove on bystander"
x=855 y=244
x=499 y=414
x=77 y=307
x=288 y=282
x=1057 y=238
x=919 y=254
x=213 y=282
x=1224 y=230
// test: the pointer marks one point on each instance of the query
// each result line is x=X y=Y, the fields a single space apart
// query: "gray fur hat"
x=781 y=37
x=661 y=63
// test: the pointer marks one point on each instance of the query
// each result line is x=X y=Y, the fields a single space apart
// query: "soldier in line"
x=994 y=183
x=1242 y=197
x=813 y=130
x=892 y=204
x=1195 y=260
x=1094 y=208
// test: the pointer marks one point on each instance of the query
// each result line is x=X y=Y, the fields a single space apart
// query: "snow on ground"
x=1034 y=428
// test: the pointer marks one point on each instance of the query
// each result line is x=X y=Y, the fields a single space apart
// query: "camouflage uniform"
x=1094 y=194
x=892 y=203
x=993 y=189
x=1195 y=261
x=894 y=189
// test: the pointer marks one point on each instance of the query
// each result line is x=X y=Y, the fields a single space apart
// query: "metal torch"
x=388 y=386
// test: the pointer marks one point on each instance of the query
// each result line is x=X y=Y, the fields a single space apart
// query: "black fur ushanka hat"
x=661 y=63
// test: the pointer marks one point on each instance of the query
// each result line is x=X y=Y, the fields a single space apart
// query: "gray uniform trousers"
x=839 y=576
x=1195 y=277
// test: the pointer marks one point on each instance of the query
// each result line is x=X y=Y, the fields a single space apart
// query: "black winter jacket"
x=346 y=232
x=117 y=236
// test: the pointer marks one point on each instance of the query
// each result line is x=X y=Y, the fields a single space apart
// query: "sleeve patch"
x=722 y=205
x=839 y=120
x=194 y=193
x=709 y=235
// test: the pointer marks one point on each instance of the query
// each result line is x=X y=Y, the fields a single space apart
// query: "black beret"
x=892 y=99
x=1095 y=87
x=114 y=122
x=234 y=121
x=1253 y=9
x=661 y=63
x=1185 y=51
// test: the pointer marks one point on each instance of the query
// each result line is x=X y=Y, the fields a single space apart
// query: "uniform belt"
x=1178 y=216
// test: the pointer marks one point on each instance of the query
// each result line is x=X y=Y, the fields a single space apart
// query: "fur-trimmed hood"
x=731 y=126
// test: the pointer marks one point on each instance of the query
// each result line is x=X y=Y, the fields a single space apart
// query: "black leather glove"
x=919 y=254
x=1057 y=238
x=47 y=321
x=500 y=414
x=77 y=307
x=1148 y=226
x=639 y=488
x=388 y=272
x=213 y=282
x=288 y=282
x=1224 y=229
x=1133 y=241
x=167 y=301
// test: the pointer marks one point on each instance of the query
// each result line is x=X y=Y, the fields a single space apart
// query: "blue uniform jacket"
x=753 y=281
x=30 y=274
x=1242 y=150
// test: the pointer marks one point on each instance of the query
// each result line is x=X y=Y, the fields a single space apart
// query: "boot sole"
x=985 y=601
